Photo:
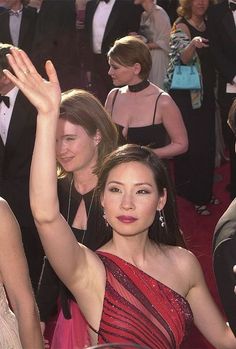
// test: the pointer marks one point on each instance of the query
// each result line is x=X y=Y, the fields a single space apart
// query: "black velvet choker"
x=139 y=87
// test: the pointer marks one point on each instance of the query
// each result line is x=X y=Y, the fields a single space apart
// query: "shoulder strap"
x=154 y=114
x=113 y=100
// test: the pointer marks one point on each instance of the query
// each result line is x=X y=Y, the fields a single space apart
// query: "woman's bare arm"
x=71 y=261
x=15 y=277
x=174 y=125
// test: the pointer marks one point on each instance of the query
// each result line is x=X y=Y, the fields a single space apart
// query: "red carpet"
x=198 y=232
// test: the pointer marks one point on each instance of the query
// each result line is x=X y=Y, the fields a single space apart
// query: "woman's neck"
x=148 y=5
x=197 y=21
x=84 y=181
x=133 y=249
x=140 y=86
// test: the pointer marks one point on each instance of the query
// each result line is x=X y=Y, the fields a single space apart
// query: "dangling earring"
x=105 y=219
x=162 y=218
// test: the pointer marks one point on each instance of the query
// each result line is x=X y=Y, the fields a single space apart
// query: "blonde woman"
x=21 y=329
x=194 y=170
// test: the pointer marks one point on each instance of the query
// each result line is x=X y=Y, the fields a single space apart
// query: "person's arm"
x=15 y=276
x=74 y=263
x=224 y=260
x=175 y=128
x=162 y=28
x=110 y=100
x=189 y=51
x=206 y=315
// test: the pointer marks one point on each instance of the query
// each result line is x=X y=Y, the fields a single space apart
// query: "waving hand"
x=45 y=95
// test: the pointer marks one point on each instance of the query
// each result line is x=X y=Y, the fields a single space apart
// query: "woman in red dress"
x=141 y=287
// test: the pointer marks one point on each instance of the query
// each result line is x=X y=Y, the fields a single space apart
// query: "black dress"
x=96 y=235
x=153 y=136
x=194 y=170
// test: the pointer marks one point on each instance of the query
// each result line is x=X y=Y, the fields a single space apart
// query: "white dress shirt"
x=100 y=20
x=14 y=25
x=6 y=113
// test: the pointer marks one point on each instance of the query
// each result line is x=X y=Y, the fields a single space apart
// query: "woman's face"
x=122 y=75
x=199 y=7
x=131 y=198
x=75 y=149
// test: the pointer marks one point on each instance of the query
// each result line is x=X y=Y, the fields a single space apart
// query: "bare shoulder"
x=165 y=100
x=182 y=257
x=184 y=28
x=5 y=211
x=3 y=204
x=112 y=93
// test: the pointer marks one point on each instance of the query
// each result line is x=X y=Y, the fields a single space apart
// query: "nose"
x=127 y=202
x=110 y=71
x=60 y=147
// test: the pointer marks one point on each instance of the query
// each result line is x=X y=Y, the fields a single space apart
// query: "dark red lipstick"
x=127 y=219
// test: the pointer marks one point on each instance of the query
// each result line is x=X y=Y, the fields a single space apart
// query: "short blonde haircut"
x=130 y=50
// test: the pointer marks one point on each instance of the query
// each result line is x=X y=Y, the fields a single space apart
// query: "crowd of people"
x=90 y=130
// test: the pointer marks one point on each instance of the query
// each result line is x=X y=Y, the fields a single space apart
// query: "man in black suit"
x=224 y=251
x=17 y=24
x=106 y=21
x=222 y=41
x=17 y=135
x=55 y=40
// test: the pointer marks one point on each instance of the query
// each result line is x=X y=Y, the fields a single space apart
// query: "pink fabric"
x=72 y=333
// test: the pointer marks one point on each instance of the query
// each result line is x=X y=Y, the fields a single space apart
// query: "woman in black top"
x=194 y=170
x=85 y=134
x=144 y=113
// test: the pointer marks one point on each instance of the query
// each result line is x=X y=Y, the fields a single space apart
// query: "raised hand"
x=44 y=95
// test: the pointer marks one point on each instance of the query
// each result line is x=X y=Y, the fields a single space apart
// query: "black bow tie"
x=15 y=13
x=232 y=6
x=106 y=1
x=5 y=100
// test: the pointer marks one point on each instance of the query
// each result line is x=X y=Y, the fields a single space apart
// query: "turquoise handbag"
x=185 y=77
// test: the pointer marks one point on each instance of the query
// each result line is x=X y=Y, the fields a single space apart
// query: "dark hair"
x=170 y=234
x=232 y=117
x=82 y=108
x=4 y=50
x=130 y=50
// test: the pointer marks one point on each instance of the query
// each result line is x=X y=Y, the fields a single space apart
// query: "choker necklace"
x=139 y=87
x=69 y=204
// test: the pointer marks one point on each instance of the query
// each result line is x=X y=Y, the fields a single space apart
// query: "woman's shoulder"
x=4 y=207
x=181 y=257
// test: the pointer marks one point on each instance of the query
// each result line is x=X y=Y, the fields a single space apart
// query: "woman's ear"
x=97 y=137
x=137 y=68
x=162 y=200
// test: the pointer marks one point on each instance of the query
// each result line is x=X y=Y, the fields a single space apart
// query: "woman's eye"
x=143 y=191
x=114 y=190
x=70 y=138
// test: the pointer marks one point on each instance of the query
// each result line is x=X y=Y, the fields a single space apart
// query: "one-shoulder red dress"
x=138 y=309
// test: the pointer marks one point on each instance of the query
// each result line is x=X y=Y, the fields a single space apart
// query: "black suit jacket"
x=55 y=40
x=27 y=29
x=222 y=40
x=224 y=258
x=124 y=18
x=16 y=160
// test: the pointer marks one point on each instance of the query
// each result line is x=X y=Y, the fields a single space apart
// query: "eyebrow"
x=136 y=184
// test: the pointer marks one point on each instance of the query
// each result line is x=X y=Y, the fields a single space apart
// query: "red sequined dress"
x=140 y=310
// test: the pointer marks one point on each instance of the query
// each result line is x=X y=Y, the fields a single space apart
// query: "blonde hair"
x=185 y=8
x=130 y=50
